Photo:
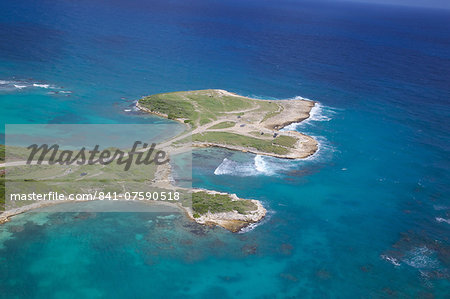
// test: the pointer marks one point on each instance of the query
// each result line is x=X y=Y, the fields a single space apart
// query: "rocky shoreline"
x=6 y=215
x=232 y=221
x=303 y=155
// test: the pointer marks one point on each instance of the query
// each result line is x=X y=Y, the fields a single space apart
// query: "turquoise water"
x=367 y=216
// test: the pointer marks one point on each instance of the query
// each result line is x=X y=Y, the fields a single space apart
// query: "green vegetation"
x=2 y=152
x=210 y=100
x=199 y=107
x=226 y=138
x=206 y=118
x=282 y=140
x=287 y=141
x=223 y=125
x=170 y=104
x=258 y=134
x=14 y=153
x=271 y=109
x=202 y=202
x=74 y=178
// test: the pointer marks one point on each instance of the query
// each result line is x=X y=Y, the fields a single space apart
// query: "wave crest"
x=256 y=167
x=318 y=113
x=19 y=84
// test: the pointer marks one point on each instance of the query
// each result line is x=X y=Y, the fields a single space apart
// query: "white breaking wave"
x=13 y=85
x=391 y=259
x=252 y=226
x=264 y=165
x=269 y=166
x=41 y=85
x=261 y=165
x=252 y=168
x=439 y=219
x=318 y=113
x=324 y=150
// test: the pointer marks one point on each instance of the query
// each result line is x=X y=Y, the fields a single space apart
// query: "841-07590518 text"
x=132 y=195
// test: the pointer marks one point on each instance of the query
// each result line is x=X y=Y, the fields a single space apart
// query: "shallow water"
x=360 y=218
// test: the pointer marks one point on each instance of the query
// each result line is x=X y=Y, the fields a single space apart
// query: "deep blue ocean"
x=368 y=216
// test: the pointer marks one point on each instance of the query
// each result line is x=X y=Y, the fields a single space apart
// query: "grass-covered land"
x=203 y=202
x=287 y=141
x=277 y=146
x=170 y=104
x=197 y=107
x=223 y=125
x=2 y=152
x=66 y=179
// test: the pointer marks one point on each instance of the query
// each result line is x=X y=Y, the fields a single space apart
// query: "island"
x=212 y=118
x=218 y=118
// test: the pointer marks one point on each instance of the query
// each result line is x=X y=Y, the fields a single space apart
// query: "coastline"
x=141 y=108
x=232 y=221
x=253 y=151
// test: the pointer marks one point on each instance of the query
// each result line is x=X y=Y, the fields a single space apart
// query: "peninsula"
x=218 y=118
x=223 y=119
x=213 y=118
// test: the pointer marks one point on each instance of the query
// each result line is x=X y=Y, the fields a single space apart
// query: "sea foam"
x=269 y=166
x=423 y=259
x=391 y=260
x=252 y=168
x=41 y=85
x=252 y=226
x=439 y=219
x=318 y=113
x=14 y=85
